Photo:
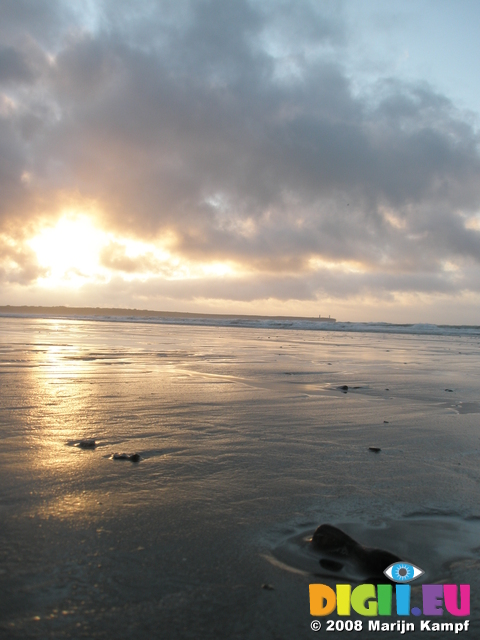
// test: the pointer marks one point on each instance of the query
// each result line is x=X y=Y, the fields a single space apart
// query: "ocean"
x=255 y=322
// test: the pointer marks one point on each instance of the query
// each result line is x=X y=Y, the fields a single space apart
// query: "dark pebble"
x=87 y=443
x=268 y=587
x=343 y=387
x=330 y=540
x=374 y=449
x=133 y=457
x=450 y=390
x=385 y=422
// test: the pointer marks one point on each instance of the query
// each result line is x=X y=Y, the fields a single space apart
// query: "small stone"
x=87 y=443
x=374 y=449
x=385 y=422
x=268 y=587
x=449 y=390
x=344 y=388
x=133 y=457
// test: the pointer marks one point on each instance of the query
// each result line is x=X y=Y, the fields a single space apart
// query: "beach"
x=247 y=443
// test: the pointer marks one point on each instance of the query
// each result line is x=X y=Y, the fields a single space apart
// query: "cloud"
x=233 y=128
x=42 y=20
x=18 y=264
x=114 y=256
x=14 y=67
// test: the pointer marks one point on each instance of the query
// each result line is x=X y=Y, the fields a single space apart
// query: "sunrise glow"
x=69 y=250
x=350 y=266
x=75 y=251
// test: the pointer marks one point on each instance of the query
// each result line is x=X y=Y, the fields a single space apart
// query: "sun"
x=69 y=250
x=74 y=252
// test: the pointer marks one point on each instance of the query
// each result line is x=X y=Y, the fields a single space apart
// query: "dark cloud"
x=232 y=125
x=43 y=20
x=13 y=66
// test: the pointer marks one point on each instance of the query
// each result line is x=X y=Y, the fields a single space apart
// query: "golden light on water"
x=59 y=385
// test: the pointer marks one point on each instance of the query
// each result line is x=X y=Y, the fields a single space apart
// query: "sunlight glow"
x=346 y=266
x=69 y=250
x=393 y=218
x=473 y=223
x=75 y=251
x=217 y=269
x=448 y=265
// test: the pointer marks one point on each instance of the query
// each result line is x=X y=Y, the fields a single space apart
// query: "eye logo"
x=403 y=572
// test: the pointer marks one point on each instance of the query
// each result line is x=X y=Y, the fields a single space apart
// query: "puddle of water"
x=467 y=407
x=432 y=544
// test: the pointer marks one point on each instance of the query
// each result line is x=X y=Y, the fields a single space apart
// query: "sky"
x=242 y=156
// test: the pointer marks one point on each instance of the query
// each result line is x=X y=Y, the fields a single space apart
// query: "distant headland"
x=64 y=311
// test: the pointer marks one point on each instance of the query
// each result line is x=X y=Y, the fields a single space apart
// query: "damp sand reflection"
x=245 y=441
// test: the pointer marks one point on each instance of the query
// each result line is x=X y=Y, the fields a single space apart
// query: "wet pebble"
x=334 y=542
x=87 y=443
x=133 y=457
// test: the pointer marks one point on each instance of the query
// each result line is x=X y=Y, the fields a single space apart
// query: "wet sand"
x=247 y=444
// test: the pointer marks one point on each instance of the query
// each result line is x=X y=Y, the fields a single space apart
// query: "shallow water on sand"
x=246 y=443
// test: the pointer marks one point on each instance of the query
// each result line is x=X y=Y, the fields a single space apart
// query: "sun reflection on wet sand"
x=61 y=381
x=243 y=434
